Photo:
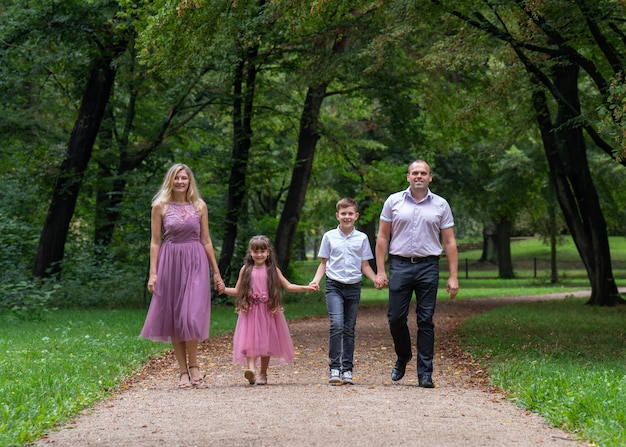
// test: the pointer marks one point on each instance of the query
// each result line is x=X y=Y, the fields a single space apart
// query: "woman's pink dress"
x=259 y=332
x=180 y=309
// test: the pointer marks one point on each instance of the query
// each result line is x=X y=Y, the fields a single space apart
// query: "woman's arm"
x=205 y=239
x=156 y=224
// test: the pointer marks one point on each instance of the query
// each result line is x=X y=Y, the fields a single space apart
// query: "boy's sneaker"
x=334 y=378
x=347 y=378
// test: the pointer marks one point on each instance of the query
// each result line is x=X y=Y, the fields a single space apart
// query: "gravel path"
x=298 y=407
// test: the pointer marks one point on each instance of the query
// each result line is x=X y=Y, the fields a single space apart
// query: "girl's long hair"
x=164 y=195
x=273 y=284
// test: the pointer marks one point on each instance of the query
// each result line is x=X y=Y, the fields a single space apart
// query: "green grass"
x=50 y=370
x=561 y=359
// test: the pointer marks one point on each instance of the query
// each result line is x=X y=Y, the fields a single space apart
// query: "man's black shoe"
x=398 y=370
x=426 y=382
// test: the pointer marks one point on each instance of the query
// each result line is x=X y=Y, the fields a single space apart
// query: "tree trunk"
x=370 y=230
x=243 y=98
x=554 y=274
x=503 y=235
x=72 y=170
x=565 y=150
x=490 y=244
x=294 y=203
x=106 y=205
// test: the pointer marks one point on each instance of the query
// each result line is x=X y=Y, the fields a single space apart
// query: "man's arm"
x=382 y=246
x=452 y=255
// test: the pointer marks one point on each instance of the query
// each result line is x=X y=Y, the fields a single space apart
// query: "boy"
x=345 y=253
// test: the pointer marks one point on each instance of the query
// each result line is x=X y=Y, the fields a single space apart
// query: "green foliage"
x=613 y=115
x=26 y=300
x=560 y=359
x=94 y=279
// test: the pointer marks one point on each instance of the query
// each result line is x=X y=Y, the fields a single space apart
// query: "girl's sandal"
x=184 y=384
x=197 y=381
x=250 y=377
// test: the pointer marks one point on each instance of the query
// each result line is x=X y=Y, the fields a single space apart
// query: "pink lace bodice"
x=181 y=223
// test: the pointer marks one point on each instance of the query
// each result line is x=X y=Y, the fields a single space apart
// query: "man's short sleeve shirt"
x=416 y=226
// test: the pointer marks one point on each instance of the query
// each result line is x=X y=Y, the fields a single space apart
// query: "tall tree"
x=72 y=170
x=308 y=137
x=553 y=48
x=244 y=82
x=106 y=45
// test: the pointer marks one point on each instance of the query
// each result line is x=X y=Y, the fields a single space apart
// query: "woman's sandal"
x=184 y=384
x=197 y=381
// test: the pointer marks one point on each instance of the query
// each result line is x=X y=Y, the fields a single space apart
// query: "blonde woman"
x=181 y=257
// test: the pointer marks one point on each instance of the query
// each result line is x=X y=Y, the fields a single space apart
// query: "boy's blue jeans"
x=342 y=302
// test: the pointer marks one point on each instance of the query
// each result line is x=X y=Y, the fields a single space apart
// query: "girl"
x=261 y=332
x=181 y=253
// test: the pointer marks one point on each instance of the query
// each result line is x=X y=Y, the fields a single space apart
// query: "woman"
x=180 y=254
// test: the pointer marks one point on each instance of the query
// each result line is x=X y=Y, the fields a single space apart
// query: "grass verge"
x=558 y=361
x=561 y=359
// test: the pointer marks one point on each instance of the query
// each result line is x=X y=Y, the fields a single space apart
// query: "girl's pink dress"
x=259 y=332
x=180 y=309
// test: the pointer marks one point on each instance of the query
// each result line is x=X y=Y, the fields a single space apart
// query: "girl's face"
x=259 y=256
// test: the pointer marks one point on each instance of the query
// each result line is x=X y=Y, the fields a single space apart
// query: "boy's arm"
x=368 y=271
x=321 y=271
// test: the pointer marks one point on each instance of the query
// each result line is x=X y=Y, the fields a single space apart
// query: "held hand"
x=218 y=283
x=381 y=280
x=452 y=287
x=315 y=285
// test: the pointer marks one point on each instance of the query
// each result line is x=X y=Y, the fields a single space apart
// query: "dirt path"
x=298 y=407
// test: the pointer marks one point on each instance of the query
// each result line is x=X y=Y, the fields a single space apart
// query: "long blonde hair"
x=164 y=195
x=274 y=288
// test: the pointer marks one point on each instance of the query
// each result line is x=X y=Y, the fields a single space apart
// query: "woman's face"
x=181 y=181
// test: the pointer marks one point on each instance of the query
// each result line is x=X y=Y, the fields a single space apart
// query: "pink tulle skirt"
x=261 y=333
x=180 y=309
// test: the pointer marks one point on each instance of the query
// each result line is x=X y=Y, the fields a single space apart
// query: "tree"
x=552 y=48
x=308 y=137
x=98 y=85
x=80 y=145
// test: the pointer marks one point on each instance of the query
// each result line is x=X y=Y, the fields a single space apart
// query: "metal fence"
x=527 y=268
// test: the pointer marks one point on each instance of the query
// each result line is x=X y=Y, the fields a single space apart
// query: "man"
x=413 y=223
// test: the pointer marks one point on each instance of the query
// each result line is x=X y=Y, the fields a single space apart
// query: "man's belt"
x=415 y=259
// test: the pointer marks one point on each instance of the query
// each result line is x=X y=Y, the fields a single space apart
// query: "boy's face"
x=347 y=216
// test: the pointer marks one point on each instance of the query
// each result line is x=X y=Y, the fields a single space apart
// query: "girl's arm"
x=289 y=287
x=156 y=222
x=205 y=239
x=234 y=291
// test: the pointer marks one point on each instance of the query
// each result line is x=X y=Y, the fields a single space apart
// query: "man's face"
x=419 y=176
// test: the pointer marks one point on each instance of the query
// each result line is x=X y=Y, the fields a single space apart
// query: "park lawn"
x=53 y=368
x=560 y=359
